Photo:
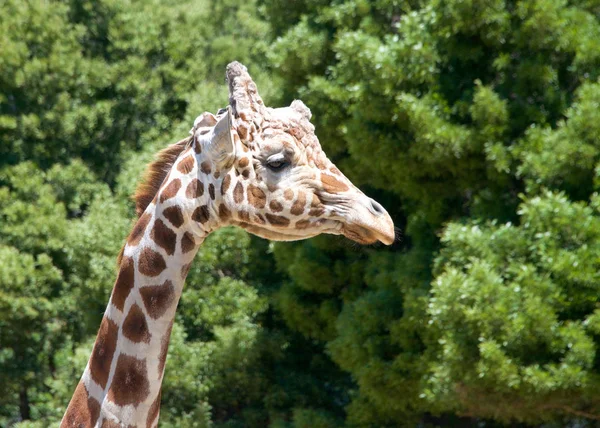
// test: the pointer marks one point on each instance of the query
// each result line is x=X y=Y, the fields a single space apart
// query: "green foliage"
x=28 y=323
x=564 y=157
x=510 y=310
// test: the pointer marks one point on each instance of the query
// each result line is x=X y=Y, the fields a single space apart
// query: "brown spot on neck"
x=195 y=189
x=103 y=352
x=205 y=167
x=288 y=194
x=138 y=230
x=158 y=298
x=187 y=242
x=83 y=410
x=123 y=284
x=186 y=165
x=109 y=423
x=130 y=382
x=225 y=184
x=201 y=214
x=164 y=237
x=211 y=191
x=164 y=348
x=174 y=215
x=151 y=263
x=153 y=411
x=224 y=213
x=135 y=327
x=185 y=269
x=170 y=190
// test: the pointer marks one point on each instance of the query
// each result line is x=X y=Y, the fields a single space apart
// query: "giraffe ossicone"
x=248 y=165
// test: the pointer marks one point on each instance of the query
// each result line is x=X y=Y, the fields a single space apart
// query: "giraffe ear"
x=222 y=149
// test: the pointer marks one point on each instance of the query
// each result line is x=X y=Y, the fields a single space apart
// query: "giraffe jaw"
x=354 y=232
x=331 y=227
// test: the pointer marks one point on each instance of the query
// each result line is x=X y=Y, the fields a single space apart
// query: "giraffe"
x=251 y=166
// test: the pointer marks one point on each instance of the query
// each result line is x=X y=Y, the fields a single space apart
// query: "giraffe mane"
x=153 y=178
x=155 y=174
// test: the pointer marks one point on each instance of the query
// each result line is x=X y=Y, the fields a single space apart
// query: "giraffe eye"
x=277 y=163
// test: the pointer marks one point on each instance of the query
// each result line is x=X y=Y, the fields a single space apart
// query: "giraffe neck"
x=122 y=380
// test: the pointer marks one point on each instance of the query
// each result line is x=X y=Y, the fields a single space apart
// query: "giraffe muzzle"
x=368 y=222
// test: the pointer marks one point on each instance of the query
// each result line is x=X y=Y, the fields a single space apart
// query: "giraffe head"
x=275 y=181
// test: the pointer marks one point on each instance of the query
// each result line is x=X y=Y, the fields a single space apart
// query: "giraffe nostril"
x=376 y=207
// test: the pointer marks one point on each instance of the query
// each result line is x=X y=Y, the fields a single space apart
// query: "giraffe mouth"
x=366 y=236
x=359 y=234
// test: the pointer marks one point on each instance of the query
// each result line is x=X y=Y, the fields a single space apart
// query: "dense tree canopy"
x=475 y=123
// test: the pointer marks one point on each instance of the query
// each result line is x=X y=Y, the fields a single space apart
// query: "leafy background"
x=476 y=123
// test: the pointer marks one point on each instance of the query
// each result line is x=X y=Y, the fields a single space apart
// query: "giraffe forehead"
x=287 y=120
x=294 y=140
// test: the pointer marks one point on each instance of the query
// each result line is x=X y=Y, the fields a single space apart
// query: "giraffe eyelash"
x=277 y=162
